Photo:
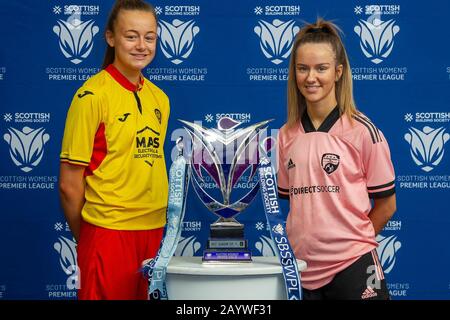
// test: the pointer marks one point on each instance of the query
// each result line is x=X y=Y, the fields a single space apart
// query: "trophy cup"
x=220 y=158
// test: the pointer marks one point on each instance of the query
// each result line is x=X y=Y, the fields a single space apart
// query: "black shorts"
x=362 y=280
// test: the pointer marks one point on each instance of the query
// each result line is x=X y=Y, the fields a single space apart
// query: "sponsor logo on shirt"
x=147 y=145
x=125 y=116
x=85 y=93
x=291 y=164
x=313 y=189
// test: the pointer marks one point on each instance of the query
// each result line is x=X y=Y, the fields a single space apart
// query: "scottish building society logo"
x=276 y=38
x=177 y=39
x=426 y=136
x=266 y=246
x=66 y=249
x=187 y=246
x=76 y=36
x=427 y=146
x=387 y=249
x=26 y=146
x=377 y=35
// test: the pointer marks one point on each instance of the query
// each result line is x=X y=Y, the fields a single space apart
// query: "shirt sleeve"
x=82 y=122
x=378 y=166
x=165 y=119
x=283 y=179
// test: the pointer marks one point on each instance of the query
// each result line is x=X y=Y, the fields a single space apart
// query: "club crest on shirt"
x=158 y=115
x=330 y=162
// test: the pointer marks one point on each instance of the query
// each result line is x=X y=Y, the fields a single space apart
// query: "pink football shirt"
x=329 y=176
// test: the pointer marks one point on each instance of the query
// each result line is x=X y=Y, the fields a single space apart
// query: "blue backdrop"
x=225 y=58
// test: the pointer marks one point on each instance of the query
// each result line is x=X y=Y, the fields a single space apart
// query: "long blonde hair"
x=321 y=31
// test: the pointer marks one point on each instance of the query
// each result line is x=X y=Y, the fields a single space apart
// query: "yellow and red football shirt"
x=329 y=176
x=117 y=130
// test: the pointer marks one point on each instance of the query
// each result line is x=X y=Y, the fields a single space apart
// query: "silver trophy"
x=224 y=163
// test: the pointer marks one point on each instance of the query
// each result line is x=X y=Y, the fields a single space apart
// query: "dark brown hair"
x=118 y=6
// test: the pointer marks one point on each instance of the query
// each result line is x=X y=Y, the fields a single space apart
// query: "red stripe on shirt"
x=98 y=152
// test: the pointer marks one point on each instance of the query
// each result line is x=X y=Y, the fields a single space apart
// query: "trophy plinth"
x=226 y=243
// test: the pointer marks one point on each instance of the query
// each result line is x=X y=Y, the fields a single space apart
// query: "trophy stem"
x=226 y=222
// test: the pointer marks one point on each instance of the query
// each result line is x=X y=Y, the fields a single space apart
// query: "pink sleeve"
x=378 y=166
x=283 y=179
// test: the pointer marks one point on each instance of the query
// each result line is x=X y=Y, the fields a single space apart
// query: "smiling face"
x=316 y=74
x=134 y=41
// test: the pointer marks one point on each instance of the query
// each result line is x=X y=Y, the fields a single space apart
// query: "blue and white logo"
x=7 y=117
x=68 y=261
x=278 y=229
x=376 y=37
x=427 y=146
x=177 y=39
x=75 y=37
x=187 y=246
x=26 y=147
x=67 y=253
x=276 y=39
x=266 y=247
x=387 y=249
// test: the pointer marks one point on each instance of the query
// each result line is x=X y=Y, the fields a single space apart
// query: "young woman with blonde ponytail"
x=333 y=163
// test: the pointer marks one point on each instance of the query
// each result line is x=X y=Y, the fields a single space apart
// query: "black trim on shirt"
x=375 y=129
x=73 y=160
x=326 y=125
x=374 y=132
x=283 y=196
x=381 y=186
x=148 y=128
x=283 y=189
x=382 y=194
x=368 y=128
x=138 y=101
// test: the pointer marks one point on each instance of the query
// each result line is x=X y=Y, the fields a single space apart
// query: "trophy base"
x=226 y=256
x=224 y=243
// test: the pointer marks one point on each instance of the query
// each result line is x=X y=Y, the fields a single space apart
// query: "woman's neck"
x=318 y=112
x=131 y=75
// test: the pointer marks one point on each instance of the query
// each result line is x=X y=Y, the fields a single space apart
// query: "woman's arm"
x=382 y=211
x=71 y=191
